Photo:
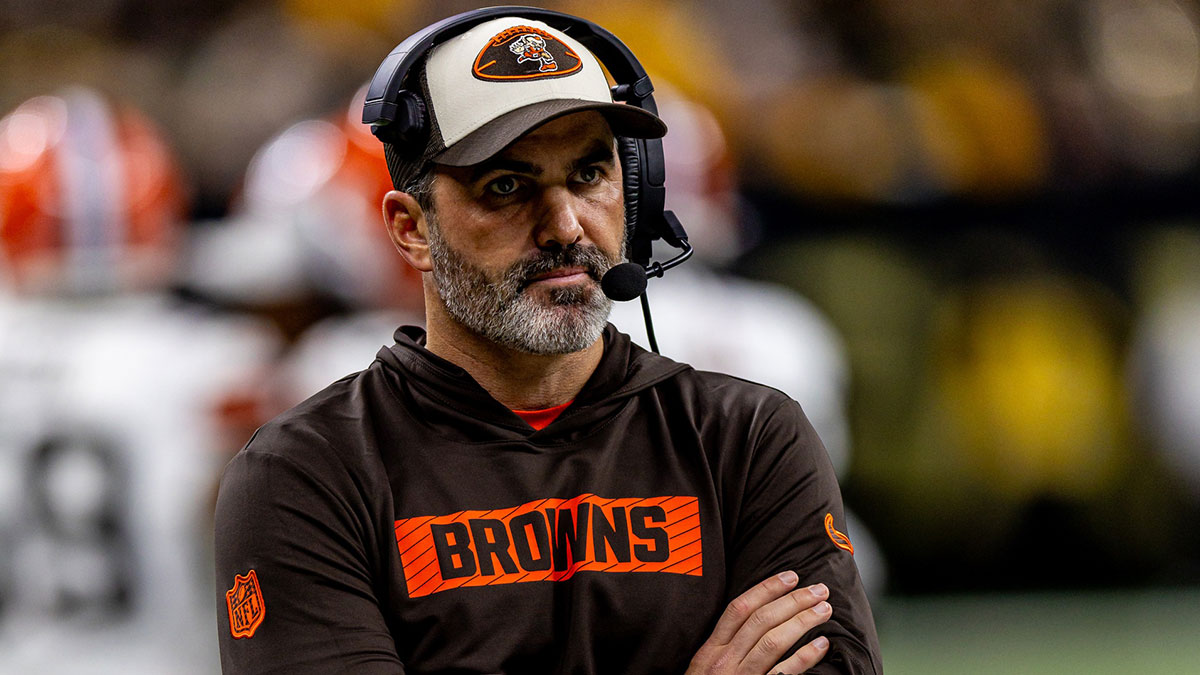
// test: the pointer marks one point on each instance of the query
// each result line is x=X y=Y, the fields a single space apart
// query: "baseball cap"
x=490 y=85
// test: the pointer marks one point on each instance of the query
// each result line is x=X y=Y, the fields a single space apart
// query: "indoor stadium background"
x=964 y=235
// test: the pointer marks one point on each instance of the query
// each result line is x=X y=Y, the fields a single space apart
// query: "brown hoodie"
x=404 y=521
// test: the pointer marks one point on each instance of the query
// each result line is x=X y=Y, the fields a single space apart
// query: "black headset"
x=395 y=108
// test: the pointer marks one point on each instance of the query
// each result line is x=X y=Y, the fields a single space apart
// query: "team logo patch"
x=839 y=539
x=550 y=540
x=525 y=53
x=245 y=602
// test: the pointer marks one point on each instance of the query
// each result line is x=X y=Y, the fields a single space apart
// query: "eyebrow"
x=598 y=153
x=502 y=164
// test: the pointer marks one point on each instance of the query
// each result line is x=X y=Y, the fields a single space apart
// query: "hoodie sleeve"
x=791 y=518
x=293 y=560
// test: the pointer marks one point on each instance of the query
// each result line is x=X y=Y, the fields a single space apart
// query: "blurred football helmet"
x=309 y=220
x=91 y=199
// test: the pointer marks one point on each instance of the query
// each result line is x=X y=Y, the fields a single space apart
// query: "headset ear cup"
x=409 y=131
x=631 y=173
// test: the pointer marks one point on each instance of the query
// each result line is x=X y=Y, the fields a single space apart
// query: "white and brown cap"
x=489 y=86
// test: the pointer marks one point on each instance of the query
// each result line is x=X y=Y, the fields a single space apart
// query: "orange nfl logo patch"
x=525 y=53
x=246 y=608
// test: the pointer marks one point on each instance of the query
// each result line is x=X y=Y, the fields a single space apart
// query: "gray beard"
x=501 y=311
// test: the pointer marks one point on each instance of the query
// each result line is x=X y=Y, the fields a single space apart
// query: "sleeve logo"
x=839 y=539
x=246 y=608
x=525 y=53
x=550 y=540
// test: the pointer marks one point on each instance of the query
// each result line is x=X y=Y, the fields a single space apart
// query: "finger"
x=744 y=605
x=806 y=657
x=777 y=641
x=798 y=603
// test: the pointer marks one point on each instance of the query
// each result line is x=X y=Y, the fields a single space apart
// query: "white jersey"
x=109 y=449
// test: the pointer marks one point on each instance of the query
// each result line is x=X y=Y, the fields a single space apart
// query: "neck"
x=519 y=380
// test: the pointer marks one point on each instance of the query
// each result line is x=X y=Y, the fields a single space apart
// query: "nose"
x=559 y=225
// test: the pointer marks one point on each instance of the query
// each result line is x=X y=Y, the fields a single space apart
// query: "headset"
x=395 y=108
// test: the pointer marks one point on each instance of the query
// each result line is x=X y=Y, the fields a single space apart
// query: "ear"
x=405 y=222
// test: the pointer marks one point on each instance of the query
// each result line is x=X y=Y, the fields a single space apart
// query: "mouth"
x=561 y=276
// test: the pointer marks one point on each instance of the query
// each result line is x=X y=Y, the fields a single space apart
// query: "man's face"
x=519 y=242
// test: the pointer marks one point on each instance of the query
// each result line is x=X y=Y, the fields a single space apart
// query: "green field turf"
x=1148 y=632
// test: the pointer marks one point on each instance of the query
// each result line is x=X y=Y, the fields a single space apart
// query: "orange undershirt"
x=540 y=419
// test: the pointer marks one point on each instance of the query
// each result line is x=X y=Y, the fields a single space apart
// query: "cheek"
x=488 y=241
x=499 y=246
x=608 y=214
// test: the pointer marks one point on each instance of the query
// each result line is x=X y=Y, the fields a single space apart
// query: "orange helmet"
x=318 y=186
x=91 y=200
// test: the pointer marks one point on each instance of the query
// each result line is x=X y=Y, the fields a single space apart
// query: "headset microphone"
x=624 y=282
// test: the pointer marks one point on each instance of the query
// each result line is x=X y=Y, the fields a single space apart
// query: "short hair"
x=411 y=174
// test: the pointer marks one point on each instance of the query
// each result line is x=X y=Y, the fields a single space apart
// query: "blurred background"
x=965 y=236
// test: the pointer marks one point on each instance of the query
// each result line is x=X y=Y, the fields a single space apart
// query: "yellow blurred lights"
x=1033 y=381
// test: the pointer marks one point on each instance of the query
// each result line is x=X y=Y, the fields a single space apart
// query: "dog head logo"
x=246 y=608
x=525 y=53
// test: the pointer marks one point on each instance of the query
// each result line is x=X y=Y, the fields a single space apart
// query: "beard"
x=503 y=311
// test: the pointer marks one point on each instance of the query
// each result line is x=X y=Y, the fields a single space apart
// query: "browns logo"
x=525 y=53
x=839 y=539
x=550 y=540
x=245 y=602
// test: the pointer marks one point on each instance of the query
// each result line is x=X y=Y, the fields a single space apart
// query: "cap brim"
x=491 y=138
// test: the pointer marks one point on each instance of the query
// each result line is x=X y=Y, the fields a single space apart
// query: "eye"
x=504 y=186
x=589 y=174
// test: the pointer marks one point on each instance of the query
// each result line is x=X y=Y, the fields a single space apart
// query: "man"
x=518 y=488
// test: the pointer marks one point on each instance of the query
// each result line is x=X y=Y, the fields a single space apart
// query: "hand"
x=760 y=625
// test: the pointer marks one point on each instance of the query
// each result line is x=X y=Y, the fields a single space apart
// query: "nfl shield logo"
x=246 y=608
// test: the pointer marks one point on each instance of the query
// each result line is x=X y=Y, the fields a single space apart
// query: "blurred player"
x=306 y=230
x=109 y=438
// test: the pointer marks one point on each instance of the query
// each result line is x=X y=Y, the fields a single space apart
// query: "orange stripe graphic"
x=550 y=540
